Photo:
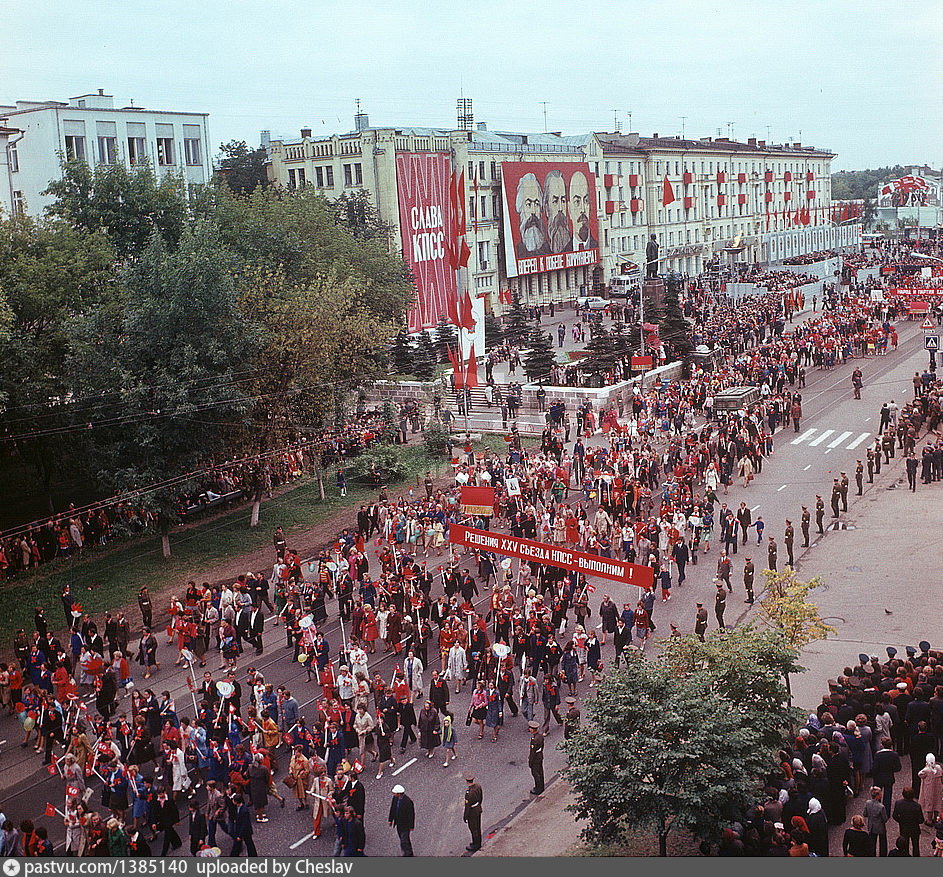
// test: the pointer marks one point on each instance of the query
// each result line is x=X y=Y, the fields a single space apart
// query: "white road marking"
x=840 y=439
x=754 y=508
x=858 y=441
x=780 y=488
x=399 y=770
x=816 y=442
x=804 y=437
x=866 y=419
x=298 y=843
x=807 y=468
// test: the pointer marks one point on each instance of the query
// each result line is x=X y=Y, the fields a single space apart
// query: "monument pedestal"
x=653 y=294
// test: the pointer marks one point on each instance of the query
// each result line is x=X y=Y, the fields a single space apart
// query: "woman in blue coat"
x=570 y=665
x=494 y=713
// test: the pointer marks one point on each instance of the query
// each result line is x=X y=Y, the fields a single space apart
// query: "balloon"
x=302 y=658
x=29 y=723
x=224 y=688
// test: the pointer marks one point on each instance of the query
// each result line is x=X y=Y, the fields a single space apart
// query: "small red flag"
x=50 y=810
x=667 y=193
x=51 y=769
x=72 y=791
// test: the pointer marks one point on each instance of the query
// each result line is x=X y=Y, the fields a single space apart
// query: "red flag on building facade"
x=471 y=374
x=667 y=193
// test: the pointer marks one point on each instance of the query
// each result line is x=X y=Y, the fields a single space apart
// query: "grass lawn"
x=111 y=578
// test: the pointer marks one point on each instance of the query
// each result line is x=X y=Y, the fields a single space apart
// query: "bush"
x=436 y=439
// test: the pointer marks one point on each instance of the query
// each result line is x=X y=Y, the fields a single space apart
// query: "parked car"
x=593 y=302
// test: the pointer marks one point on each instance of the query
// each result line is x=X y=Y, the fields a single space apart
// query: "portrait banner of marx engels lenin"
x=550 y=218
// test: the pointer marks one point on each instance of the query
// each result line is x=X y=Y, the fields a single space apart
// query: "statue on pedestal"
x=651 y=257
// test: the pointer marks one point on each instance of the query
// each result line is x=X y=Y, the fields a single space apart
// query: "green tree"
x=51 y=276
x=517 y=324
x=401 y=353
x=541 y=358
x=178 y=352
x=355 y=212
x=673 y=327
x=788 y=609
x=424 y=358
x=127 y=204
x=494 y=332
x=445 y=338
x=662 y=750
x=856 y=185
x=868 y=212
x=242 y=169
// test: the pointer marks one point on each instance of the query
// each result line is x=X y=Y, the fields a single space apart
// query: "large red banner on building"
x=553 y=555
x=423 y=181
x=549 y=216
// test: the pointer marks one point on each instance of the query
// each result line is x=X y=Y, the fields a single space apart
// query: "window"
x=494 y=170
x=481 y=170
x=329 y=177
x=13 y=158
x=74 y=147
x=496 y=206
x=165 y=151
x=484 y=207
x=301 y=177
x=471 y=169
x=472 y=207
x=19 y=205
x=192 y=152
x=484 y=255
x=107 y=150
x=292 y=179
x=353 y=175
x=319 y=177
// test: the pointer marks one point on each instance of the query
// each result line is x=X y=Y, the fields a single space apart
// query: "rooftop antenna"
x=769 y=136
x=545 y=115
x=615 y=121
x=629 y=113
x=466 y=116
x=683 y=118
x=730 y=130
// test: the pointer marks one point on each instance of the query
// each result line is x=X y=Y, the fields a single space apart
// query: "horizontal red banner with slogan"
x=553 y=555
x=478 y=500
x=913 y=293
x=642 y=362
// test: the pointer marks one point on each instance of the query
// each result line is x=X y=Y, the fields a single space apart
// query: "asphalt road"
x=836 y=431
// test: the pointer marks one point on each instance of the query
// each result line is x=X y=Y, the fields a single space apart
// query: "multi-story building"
x=729 y=201
x=9 y=137
x=91 y=128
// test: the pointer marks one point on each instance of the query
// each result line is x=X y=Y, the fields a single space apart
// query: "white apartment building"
x=733 y=202
x=91 y=128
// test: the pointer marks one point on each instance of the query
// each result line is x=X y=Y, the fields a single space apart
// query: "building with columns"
x=732 y=202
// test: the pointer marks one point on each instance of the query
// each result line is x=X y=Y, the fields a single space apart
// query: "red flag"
x=667 y=193
x=806 y=216
x=464 y=253
x=465 y=317
x=50 y=810
x=505 y=297
x=72 y=791
x=51 y=770
x=471 y=375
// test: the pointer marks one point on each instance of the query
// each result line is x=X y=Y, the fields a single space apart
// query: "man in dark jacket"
x=885 y=766
x=403 y=817
x=908 y=814
x=242 y=829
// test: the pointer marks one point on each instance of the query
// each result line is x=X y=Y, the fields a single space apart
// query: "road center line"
x=298 y=843
x=807 y=468
x=399 y=770
x=780 y=488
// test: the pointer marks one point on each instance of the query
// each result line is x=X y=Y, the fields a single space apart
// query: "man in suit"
x=884 y=768
x=403 y=817
x=535 y=758
x=621 y=638
x=472 y=813
x=581 y=207
x=256 y=627
x=558 y=226
x=908 y=814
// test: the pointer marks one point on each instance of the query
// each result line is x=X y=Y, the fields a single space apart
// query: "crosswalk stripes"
x=815 y=437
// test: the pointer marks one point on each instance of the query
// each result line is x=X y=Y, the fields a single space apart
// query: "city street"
x=835 y=432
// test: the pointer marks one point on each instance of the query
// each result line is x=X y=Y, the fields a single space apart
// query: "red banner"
x=478 y=500
x=549 y=216
x=641 y=362
x=913 y=293
x=423 y=181
x=553 y=555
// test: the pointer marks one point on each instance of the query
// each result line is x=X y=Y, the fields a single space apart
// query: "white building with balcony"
x=91 y=128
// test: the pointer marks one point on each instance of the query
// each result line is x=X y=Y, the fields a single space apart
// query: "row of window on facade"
x=324 y=176
x=137 y=152
x=707 y=167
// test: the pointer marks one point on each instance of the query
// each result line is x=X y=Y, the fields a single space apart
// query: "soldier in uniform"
x=804 y=523
x=788 y=538
x=836 y=497
x=843 y=485
x=571 y=718
x=700 y=621
x=535 y=758
x=720 y=604
x=859 y=477
x=472 y=813
x=819 y=512
x=870 y=458
x=723 y=569
x=877 y=456
x=748 y=573
x=771 y=551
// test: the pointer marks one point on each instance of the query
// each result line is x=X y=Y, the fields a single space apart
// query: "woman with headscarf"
x=818 y=828
x=931 y=788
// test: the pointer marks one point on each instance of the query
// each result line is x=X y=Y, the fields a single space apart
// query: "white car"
x=593 y=302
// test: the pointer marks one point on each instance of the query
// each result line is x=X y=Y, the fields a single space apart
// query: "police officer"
x=535 y=758
x=819 y=512
x=748 y=573
x=700 y=620
x=788 y=538
x=472 y=813
x=859 y=477
x=804 y=523
x=571 y=718
x=720 y=604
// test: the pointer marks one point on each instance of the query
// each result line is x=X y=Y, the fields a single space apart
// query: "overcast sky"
x=860 y=78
